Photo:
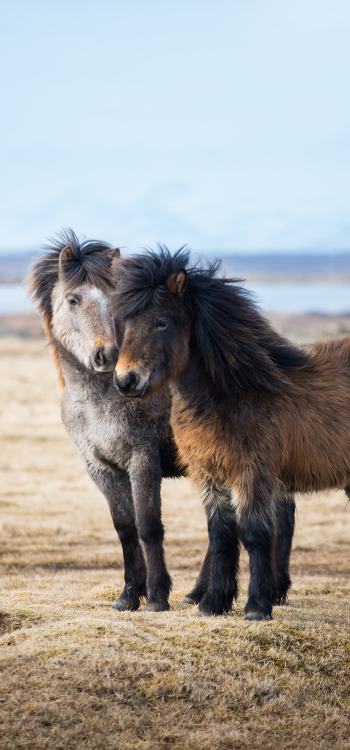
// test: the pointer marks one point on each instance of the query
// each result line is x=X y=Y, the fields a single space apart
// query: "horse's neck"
x=194 y=387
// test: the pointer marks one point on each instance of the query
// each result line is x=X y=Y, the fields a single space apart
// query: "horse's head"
x=75 y=287
x=155 y=346
x=83 y=317
x=173 y=313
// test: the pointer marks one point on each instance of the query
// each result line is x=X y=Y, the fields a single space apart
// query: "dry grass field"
x=77 y=674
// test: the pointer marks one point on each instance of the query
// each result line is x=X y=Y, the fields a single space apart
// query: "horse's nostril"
x=128 y=382
x=133 y=379
x=100 y=358
x=104 y=358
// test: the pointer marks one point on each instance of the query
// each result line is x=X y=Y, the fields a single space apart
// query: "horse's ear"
x=115 y=263
x=66 y=256
x=115 y=252
x=177 y=281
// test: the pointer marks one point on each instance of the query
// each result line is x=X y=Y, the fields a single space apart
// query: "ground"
x=77 y=674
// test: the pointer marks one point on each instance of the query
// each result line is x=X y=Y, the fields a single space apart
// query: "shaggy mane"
x=236 y=343
x=90 y=263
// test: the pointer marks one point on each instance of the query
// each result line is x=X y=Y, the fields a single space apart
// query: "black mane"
x=90 y=262
x=142 y=279
x=236 y=343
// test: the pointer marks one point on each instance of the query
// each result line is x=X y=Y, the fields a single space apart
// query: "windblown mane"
x=90 y=262
x=236 y=343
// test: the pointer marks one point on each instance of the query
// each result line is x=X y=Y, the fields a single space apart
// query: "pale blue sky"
x=222 y=124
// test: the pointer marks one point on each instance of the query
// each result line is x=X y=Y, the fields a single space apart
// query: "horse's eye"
x=72 y=301
x=161 y=324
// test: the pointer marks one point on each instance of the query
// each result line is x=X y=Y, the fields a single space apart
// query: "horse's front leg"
x=257 y=528
x=145 y=476
x=115 y=486
x=223 y=551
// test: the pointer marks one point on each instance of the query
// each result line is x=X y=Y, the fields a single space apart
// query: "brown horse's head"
x=74 y=287
x=173 y=313
x=155 y=345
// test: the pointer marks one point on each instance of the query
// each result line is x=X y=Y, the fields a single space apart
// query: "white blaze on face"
x=77 y=328
x=98 y=296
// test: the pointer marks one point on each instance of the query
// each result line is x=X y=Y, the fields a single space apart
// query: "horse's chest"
x=204 y=448
x=109 y=433
x=100 y=433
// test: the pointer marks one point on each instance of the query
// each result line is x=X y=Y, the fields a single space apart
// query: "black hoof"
x=188 y=600
x=214 y=604
x=157 y=607
x=126 y=605
x=254 y=616
x=194 y=597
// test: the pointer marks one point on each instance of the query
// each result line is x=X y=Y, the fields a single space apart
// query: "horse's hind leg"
x=202 y=582
x=224 y=552
x=115 y=486
x=285 y=522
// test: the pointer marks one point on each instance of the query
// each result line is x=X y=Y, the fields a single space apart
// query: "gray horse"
x=127 y=445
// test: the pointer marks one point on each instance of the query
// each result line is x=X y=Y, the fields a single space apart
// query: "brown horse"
x=251 y=412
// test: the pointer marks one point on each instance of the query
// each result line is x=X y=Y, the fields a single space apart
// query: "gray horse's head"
x=74 y=286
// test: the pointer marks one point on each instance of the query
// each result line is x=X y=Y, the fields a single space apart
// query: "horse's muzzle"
x=129 y=384
x=104 y=358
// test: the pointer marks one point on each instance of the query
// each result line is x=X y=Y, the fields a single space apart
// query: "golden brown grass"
x=76 y=674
